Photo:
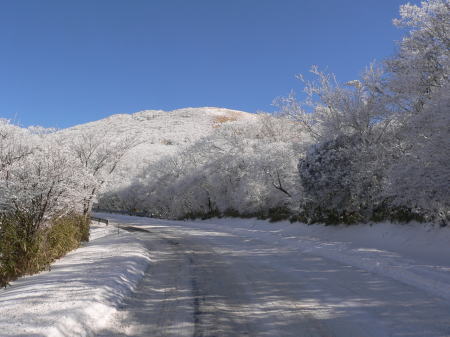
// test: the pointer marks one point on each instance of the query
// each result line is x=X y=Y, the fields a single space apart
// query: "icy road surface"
x=205 y=281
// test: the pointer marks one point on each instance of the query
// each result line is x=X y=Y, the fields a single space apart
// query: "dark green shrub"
x=279 y=214
x=23 y=252
x=64 y=235
x=231 y=213
x=19 y=251
x=400 y=214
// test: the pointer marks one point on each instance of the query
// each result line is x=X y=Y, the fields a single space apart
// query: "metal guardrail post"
x=105 y=221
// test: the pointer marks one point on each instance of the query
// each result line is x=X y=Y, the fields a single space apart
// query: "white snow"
x=415 y=254
x=81 y=291
x=295 y=279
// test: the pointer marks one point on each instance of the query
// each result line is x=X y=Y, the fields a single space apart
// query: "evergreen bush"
x=23 y=252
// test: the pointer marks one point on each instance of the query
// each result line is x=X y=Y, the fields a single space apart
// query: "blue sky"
x=68 y=62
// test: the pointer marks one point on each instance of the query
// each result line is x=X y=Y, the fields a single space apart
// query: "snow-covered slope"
x=162 y=133
x=172 y=128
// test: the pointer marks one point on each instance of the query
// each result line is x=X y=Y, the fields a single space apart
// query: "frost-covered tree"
x=381 y=141
x=41 y=184
x=13 y=147
x=332 y=109
x=98 y=153
x=419 y=85
x=422 y=63
x=350 y=124
x=419 y=178
x=243 y=168
x=45 y=185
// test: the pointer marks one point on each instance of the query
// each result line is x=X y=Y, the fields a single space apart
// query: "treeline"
x=372 y=149
x=48 y=183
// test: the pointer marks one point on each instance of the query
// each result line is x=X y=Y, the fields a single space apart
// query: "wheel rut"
x=188 y=291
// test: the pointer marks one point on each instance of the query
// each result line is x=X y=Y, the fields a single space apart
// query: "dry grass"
x=25 y=254
x=224 y=119
x=165 y=141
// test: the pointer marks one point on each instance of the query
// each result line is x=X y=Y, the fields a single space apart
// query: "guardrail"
x=142 y=214
x=105 y=221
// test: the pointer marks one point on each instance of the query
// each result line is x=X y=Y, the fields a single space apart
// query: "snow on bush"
x=399 y=116
x=44 y=179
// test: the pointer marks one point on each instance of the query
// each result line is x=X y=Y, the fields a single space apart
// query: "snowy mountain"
x=162 y=133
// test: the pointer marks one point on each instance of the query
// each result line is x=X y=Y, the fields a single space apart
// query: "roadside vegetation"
x=47 y=187
x=372 y=149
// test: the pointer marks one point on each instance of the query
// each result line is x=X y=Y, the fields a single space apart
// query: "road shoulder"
x=81 y=291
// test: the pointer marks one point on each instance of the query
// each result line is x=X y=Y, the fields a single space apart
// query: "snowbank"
x=81 y=291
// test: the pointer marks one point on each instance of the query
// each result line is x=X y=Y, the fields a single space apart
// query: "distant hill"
x=163 y=133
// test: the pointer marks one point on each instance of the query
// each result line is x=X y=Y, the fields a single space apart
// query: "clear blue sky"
x=68 y=62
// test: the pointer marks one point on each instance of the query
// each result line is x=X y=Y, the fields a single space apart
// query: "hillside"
x=162 y=133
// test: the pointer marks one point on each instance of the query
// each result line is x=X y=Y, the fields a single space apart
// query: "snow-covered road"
x=207 y=279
